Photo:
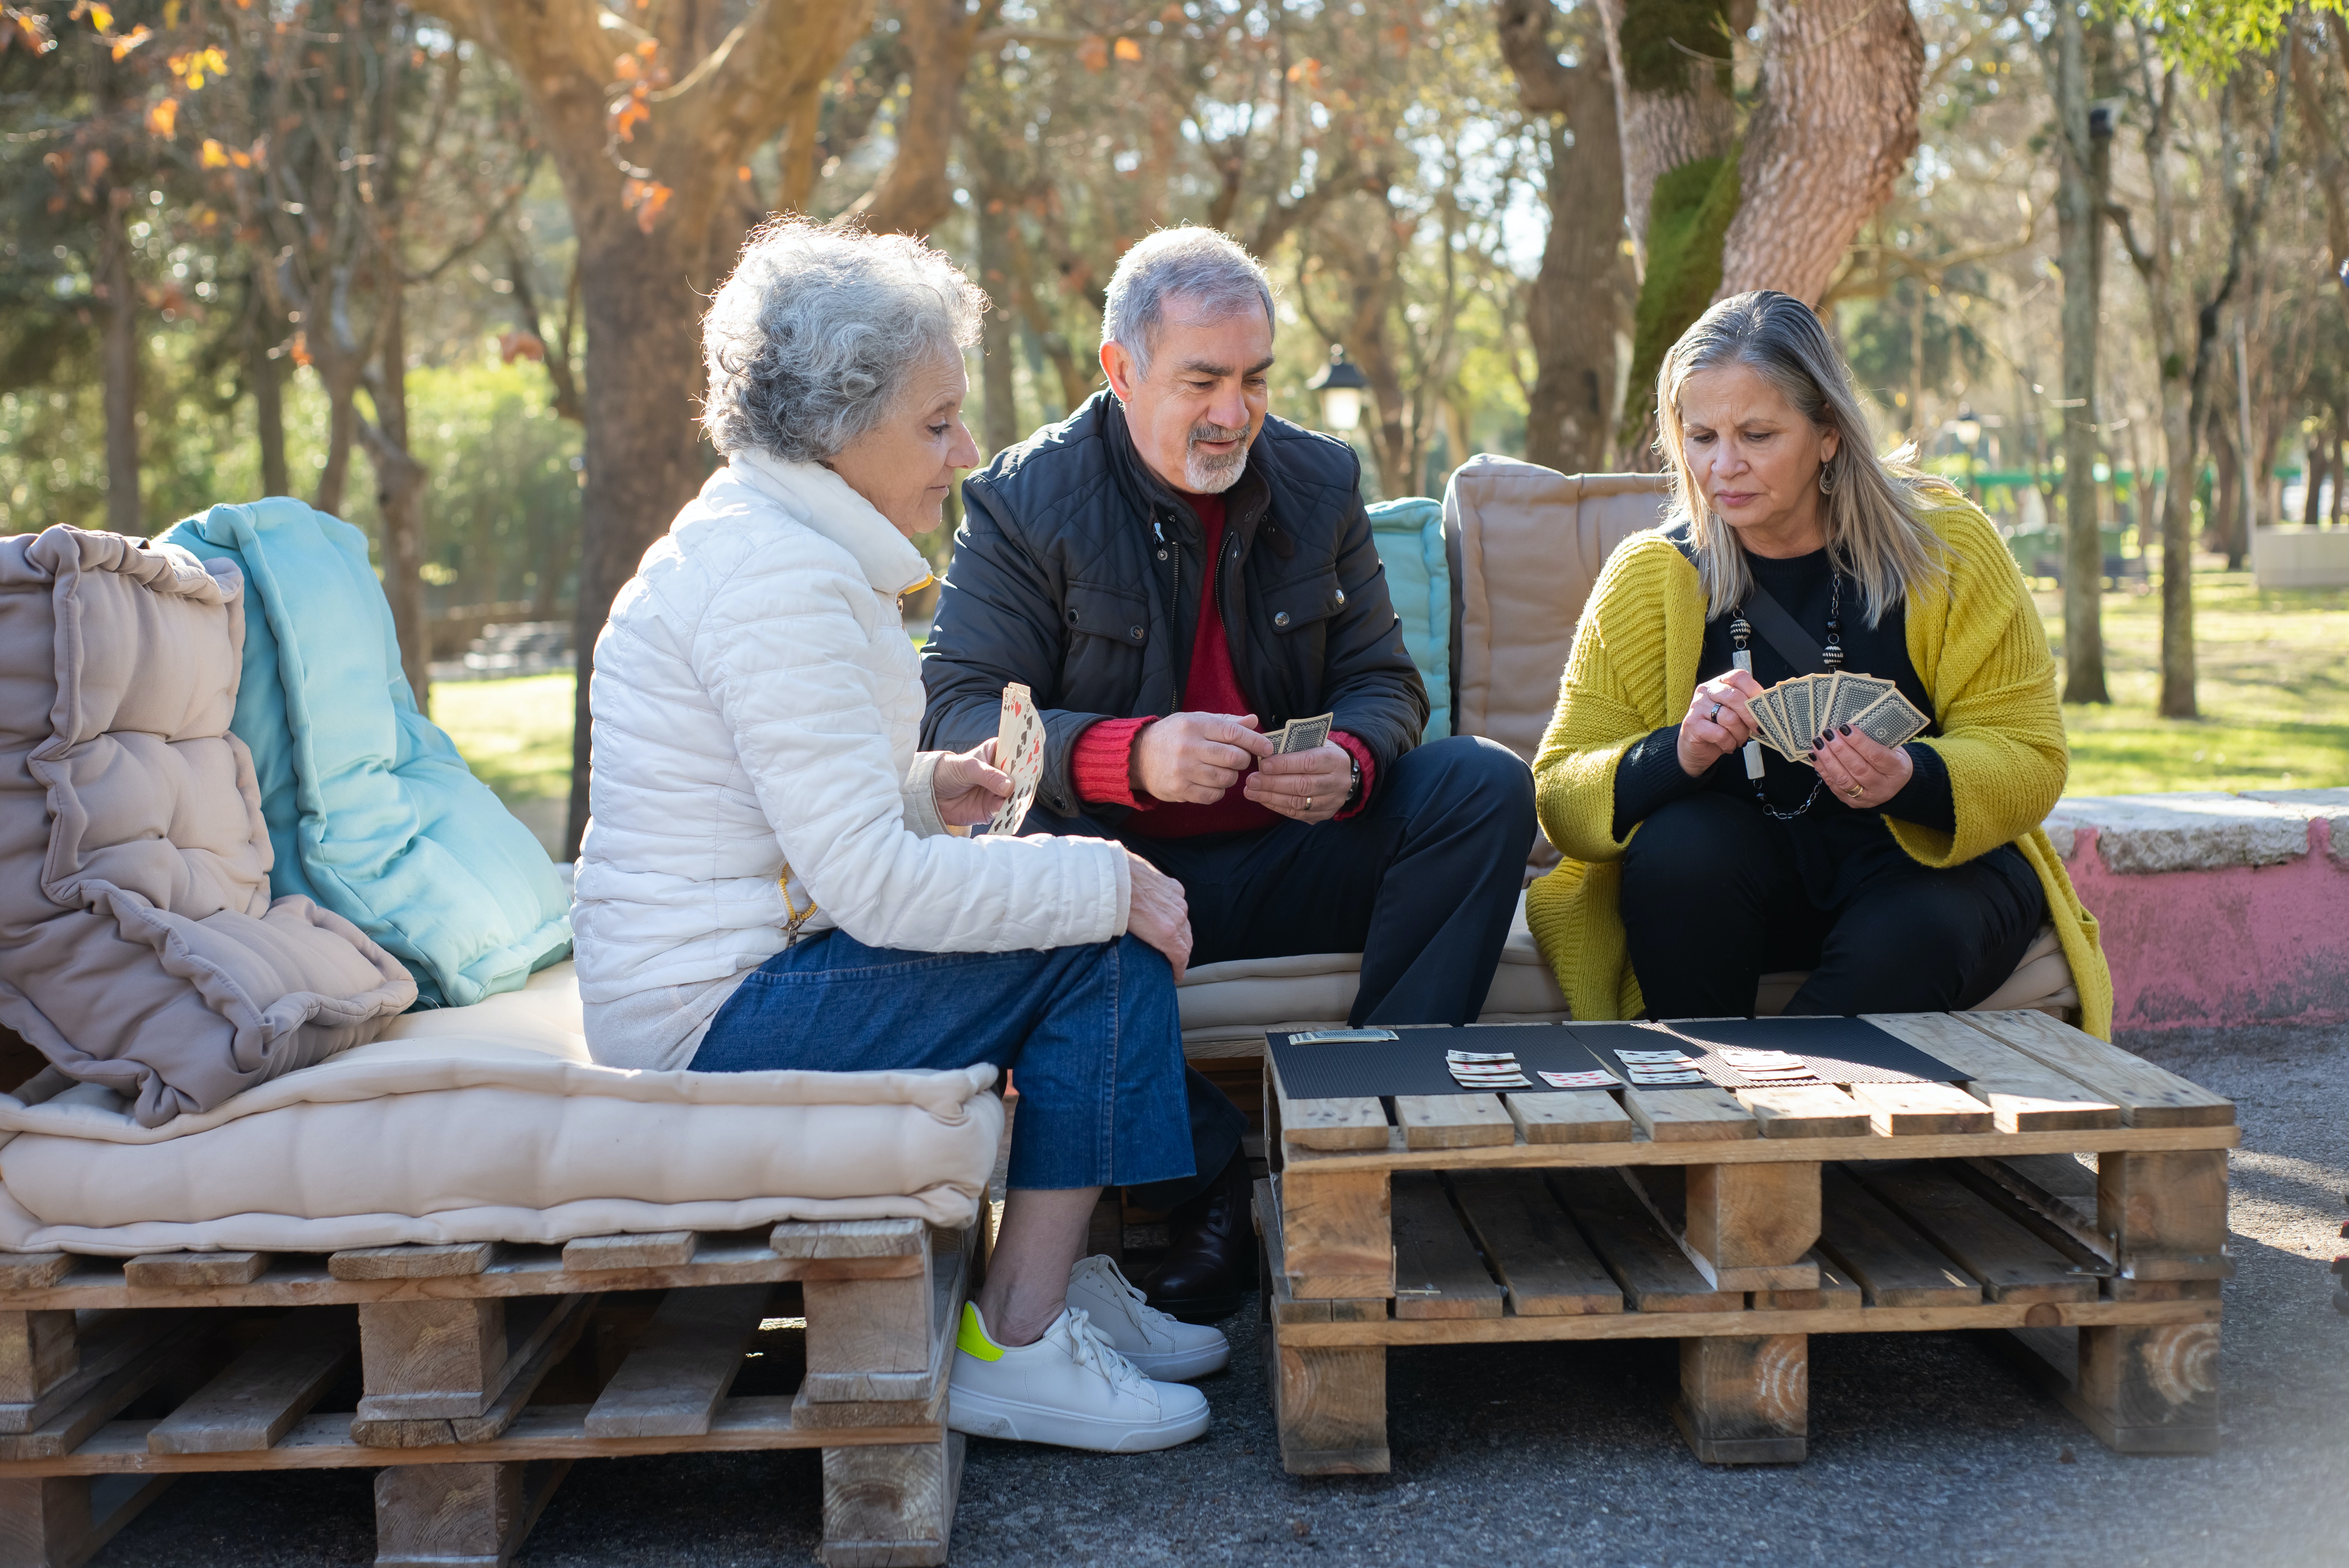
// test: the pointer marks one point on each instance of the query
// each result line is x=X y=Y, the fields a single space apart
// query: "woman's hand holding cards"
x=1863 y=773
x=968 y=786
x=1718 y=721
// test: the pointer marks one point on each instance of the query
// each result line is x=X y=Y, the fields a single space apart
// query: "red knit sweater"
x=1102 y=763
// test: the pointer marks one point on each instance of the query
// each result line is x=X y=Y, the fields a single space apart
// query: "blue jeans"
x=1091 y=1032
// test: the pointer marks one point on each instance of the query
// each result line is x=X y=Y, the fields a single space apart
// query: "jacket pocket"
x=1120 y=614
x=1303 y=601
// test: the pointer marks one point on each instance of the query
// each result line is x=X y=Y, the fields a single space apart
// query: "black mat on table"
x=1414 y=1063
x=1841 y=1050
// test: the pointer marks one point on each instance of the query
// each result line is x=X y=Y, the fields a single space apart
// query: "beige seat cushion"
x=1526 y=545
x=489 y=1123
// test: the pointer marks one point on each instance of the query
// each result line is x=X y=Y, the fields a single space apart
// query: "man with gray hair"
x=1172 y=573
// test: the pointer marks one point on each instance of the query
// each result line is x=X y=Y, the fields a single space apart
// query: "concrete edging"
x=2216 y=908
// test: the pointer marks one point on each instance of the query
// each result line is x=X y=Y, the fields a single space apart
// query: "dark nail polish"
x=1847 y=729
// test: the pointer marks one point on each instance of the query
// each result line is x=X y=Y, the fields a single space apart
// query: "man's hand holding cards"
x=1308 y=777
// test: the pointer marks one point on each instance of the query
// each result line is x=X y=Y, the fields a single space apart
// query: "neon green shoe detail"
x=973 y=1340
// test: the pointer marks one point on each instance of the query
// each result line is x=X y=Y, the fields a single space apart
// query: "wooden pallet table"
x=1741 y=1224
x=118 y=1377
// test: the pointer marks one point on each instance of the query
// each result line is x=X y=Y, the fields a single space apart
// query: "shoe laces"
x=1092 y=1351
x=1105 y=1270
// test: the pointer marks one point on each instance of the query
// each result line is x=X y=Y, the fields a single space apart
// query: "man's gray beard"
x=1203 y=474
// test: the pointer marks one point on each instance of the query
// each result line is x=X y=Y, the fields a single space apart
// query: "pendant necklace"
x=1742 y=635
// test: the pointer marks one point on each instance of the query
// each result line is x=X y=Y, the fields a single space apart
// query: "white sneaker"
x=1159 y=1346
x=1069 y=1388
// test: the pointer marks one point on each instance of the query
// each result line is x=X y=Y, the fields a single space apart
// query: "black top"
x=1649 y=775
x=1077 y=572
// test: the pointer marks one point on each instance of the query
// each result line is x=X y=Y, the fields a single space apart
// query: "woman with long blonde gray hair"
x=1906 y=878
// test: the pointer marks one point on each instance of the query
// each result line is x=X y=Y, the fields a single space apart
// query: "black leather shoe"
x=1209 y=1272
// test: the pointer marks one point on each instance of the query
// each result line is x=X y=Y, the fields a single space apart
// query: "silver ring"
x=1715 y=714
x=1308 y=802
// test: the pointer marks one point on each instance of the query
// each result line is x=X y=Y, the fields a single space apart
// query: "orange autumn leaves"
x=640 y=73
x=1096 y=52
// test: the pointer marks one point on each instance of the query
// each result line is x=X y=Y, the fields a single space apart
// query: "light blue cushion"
x=370 y=809
x=1409 y=534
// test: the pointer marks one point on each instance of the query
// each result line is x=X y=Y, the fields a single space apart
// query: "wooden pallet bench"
x=225 y=1357
x=1741 y=1224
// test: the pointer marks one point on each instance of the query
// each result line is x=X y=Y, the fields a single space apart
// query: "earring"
x=1825 y=486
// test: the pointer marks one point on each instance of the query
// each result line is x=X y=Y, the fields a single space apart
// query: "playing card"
x=1665 y=1080
x=1854 y=696
x=1505 y=1080
x=1580 y=1080
x=1744 y=1057
x=1802 y=704
x=1891 y=721
x=1508 y=1056
x=1018 y=751
x=1651 y=1057
x=1777 y=725
x=1301 y=735
x=1348 y=1036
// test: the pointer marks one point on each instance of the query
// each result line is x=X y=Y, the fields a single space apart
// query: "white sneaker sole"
x=992 y=1415
x=1180 y=1366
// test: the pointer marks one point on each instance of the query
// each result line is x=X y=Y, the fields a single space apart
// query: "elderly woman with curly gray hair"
x=770 y=882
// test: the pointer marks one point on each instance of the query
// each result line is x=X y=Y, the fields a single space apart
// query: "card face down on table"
x=1487 y=1058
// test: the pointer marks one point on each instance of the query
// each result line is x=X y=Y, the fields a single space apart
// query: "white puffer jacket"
x=755 y=704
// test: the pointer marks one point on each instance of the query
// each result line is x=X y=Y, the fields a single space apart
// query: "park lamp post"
x=1340 y=383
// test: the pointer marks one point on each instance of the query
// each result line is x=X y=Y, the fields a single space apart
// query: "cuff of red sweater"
x=1368 y=765
x=1101 y=764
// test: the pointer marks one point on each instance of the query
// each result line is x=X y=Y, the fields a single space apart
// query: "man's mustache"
x=1218 y=433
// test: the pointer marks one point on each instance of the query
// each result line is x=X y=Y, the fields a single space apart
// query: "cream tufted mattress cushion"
x=489 y=1122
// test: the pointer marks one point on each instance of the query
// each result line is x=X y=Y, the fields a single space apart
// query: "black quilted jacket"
x=1078 y=573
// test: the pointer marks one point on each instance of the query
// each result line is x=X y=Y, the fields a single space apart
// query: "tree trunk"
x=2319 y=466
x=2083 y=170
x=117 y=353
x=2325 y=142
x=643 y=355
x=1575 y=306
x=342 y=432
x=915 y=194
x=269 y=420
x=998 y=409
x=1669 y=61
x=399 y=502
x=645 y=234
x=1835 y=121
x=2227 y=483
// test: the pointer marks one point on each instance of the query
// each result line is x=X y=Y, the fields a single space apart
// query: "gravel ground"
x=1926 y=1450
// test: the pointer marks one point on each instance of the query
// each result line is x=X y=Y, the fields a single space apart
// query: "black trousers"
x=1715 y=894
x=1422 y=882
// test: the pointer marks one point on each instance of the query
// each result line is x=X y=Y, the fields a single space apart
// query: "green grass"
x=515 y=735
x=2273 y=683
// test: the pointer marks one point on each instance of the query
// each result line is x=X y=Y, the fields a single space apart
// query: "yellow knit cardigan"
x=1978 y=646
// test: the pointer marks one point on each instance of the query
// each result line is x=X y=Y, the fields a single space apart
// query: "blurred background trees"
x=2086 y=259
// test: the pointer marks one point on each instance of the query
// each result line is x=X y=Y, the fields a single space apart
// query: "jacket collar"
x=1245 y=503
x=822 y=500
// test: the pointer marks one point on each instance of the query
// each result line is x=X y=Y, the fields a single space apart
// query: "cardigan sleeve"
x=1607 y=701
x=1993 y=683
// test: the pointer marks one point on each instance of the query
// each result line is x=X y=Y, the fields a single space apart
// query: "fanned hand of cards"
x=1018 y=751
x=1793 y=713
x=1300 y=734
